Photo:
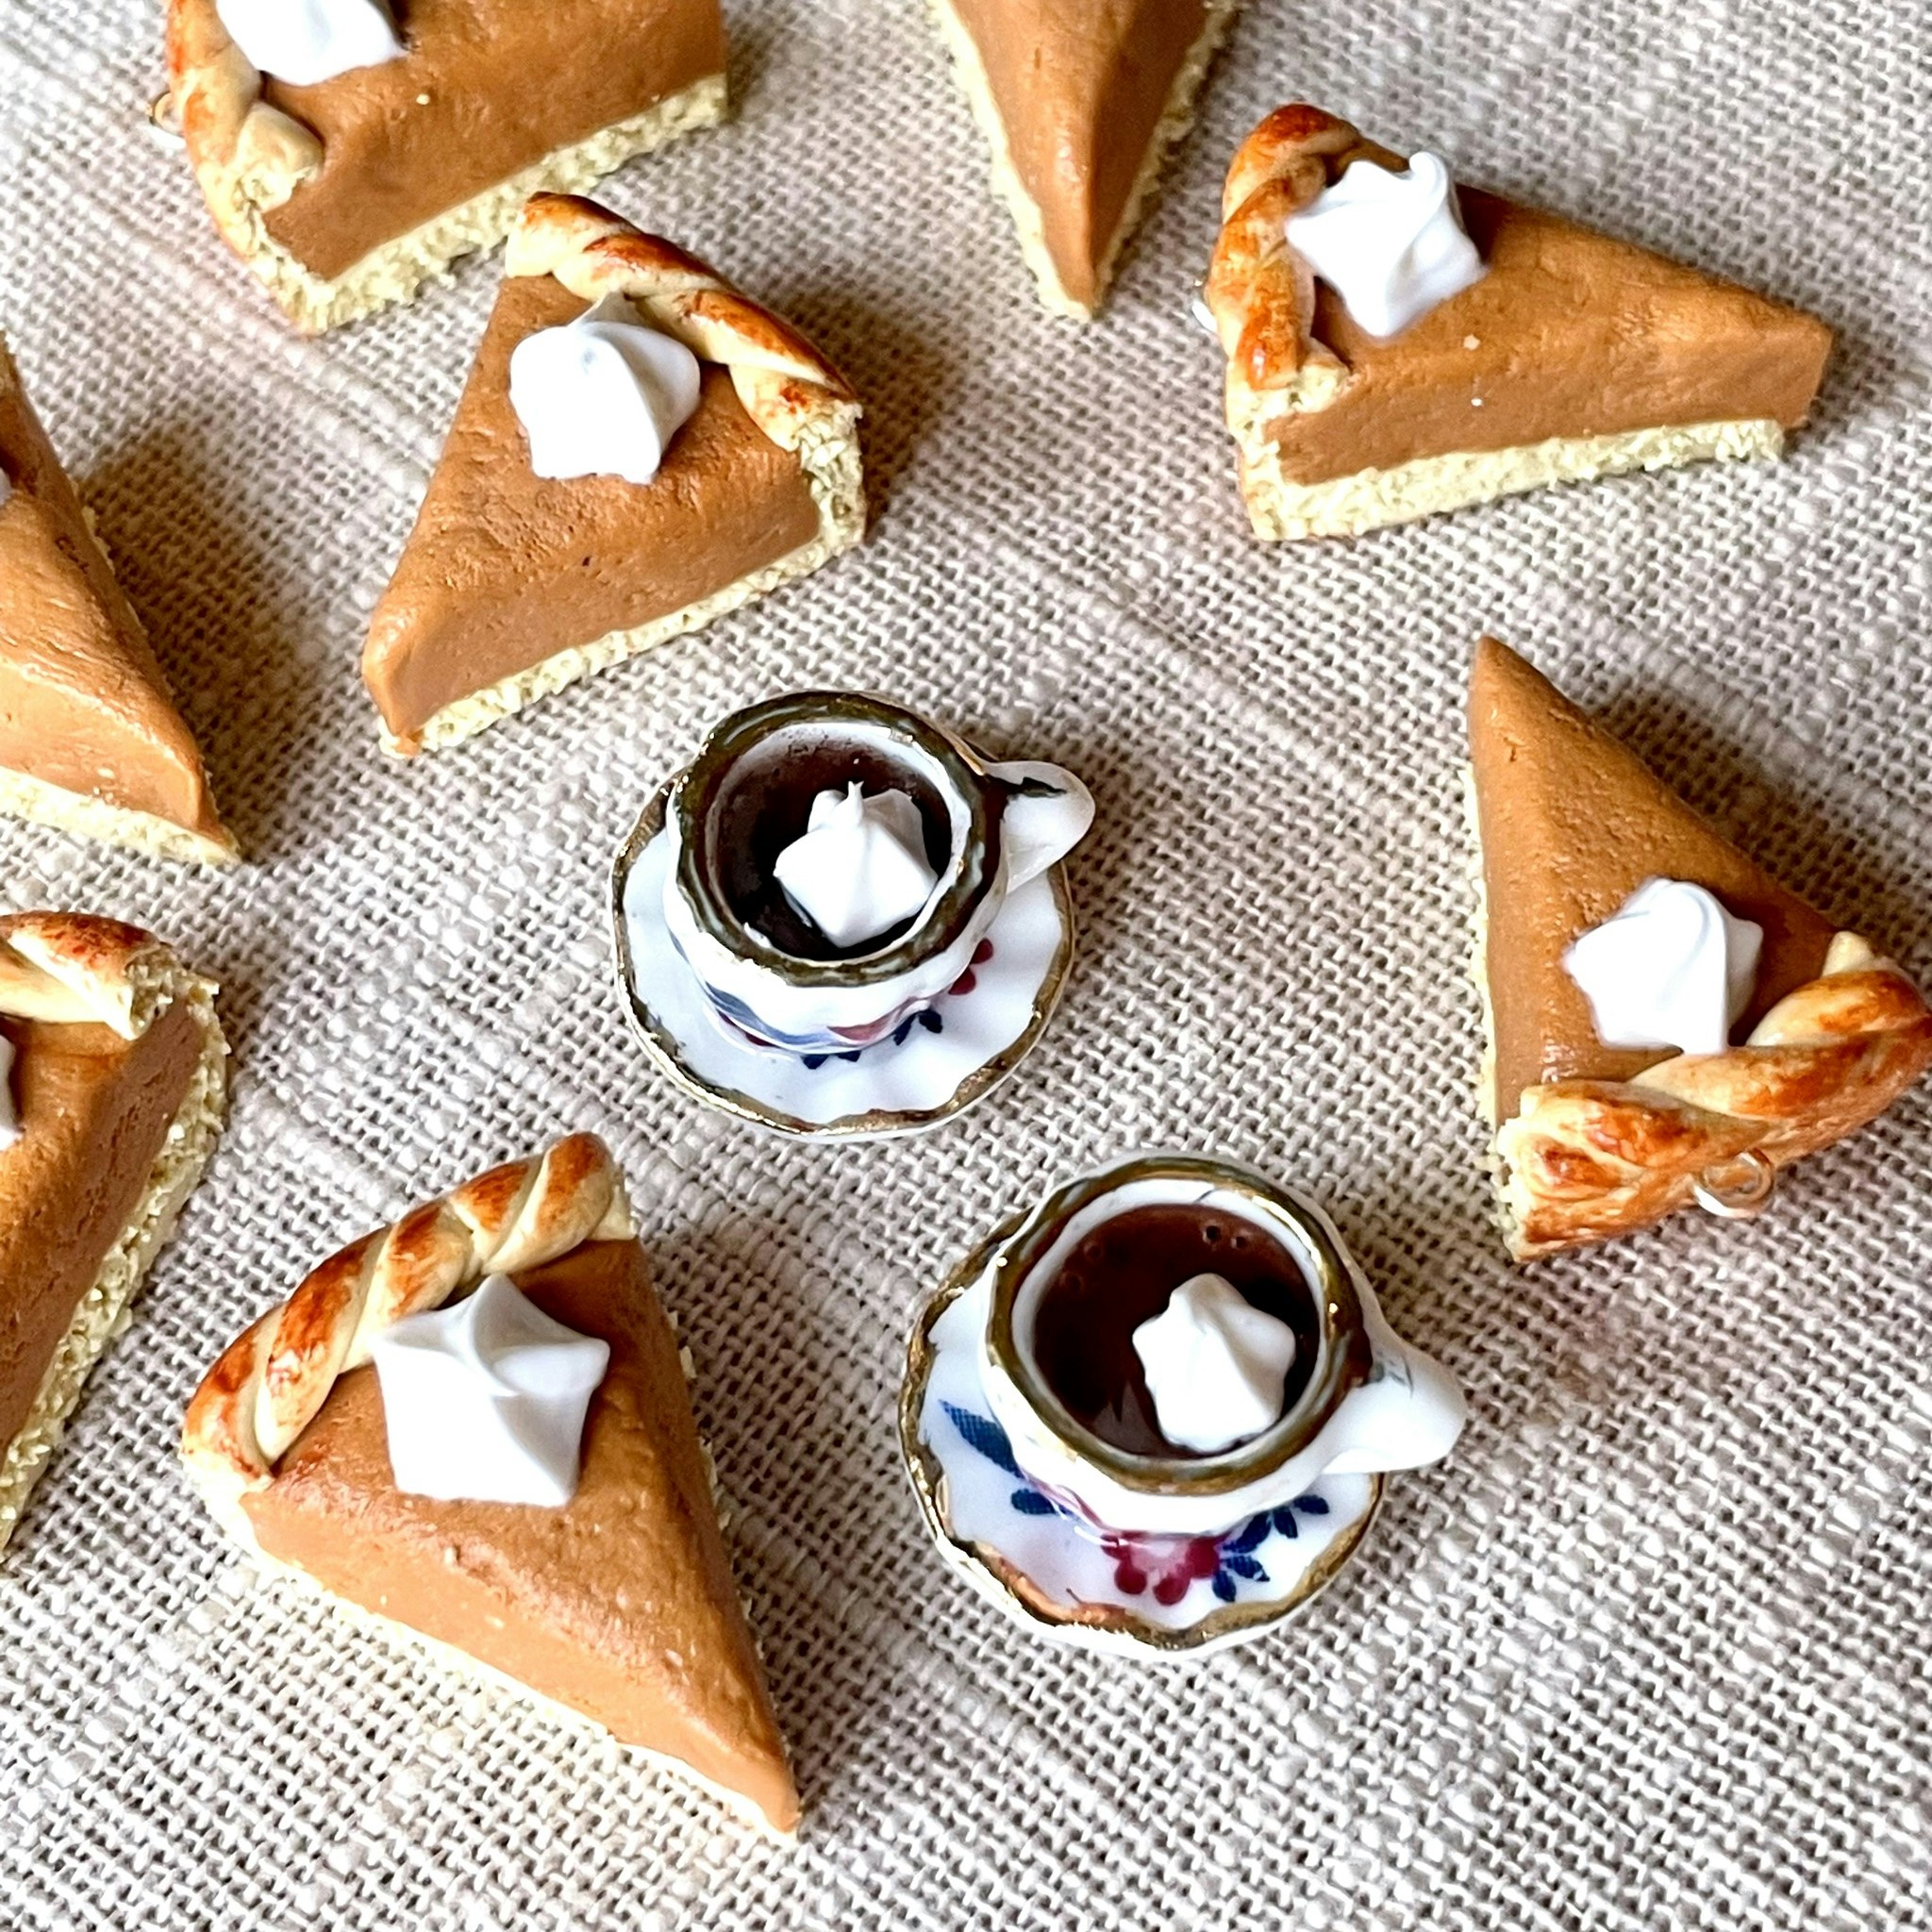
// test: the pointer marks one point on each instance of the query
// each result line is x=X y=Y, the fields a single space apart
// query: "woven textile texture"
x=1650 y=1650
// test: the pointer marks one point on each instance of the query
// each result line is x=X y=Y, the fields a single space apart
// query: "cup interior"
x=1030 y=1298
x=750 y=793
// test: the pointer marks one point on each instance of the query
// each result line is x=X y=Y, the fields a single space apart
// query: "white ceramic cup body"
x=1401 y=1409
x=1044 y=812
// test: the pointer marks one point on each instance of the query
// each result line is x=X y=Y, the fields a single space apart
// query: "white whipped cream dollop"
x=1671 y=968
x=9 y=1114
x=1216 y=1365
x=308 y=41
x=601 y=396
x=860 y=867
x=1391 y=246
x=485 y=1400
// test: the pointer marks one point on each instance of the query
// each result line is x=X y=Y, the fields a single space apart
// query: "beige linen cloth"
x=1650 y=1650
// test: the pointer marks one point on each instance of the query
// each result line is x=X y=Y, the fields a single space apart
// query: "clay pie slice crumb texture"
x=89 y=739
x=1081 y=102
x=1593 y=1142
x=347 y=195
x=512 y=585
x=112 y=1101
x=1573 y=356
x=620 y=1605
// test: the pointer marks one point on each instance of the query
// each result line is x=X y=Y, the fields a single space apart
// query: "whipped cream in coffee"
x=1123 y=1277
x=766 y=807
x=1215 y=1365
x=861 y=868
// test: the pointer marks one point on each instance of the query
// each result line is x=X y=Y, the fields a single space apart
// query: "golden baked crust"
x=786 y=385
x=249 y=158
x=1584 y=1160
x=271 y=1380
x=71 y=968
x=1585 y=357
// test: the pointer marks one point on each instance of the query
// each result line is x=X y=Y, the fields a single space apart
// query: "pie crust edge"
x=249 y=158
x=72 y=966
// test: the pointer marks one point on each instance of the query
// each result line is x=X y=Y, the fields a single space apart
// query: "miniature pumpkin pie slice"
x=1081 y=102
x=474 y=1424
x=639 y=450
x=113 y=1083
x=1625 y=945
x=1397 y=346
x=89 y=739
x=349 y=150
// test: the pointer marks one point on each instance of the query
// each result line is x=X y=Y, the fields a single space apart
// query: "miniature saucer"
x=935 y=1066
x=1065 y=1578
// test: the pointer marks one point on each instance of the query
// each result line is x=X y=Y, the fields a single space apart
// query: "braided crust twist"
x=786 y=385
x=248 y=156
x=1586 y=1159
x=272 y=1381
x=72 y=967
x=1259 y=291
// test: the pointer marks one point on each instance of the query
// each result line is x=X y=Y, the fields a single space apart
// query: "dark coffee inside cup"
x=1119 y=1276
x=764 y=804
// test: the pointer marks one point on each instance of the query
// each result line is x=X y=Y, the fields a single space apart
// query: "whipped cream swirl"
x=1216 y=1365
x=304 y=42
x=1391 y=246
x=1671 y=968
x=861 y=868
x=485 y=1400
x=603 y=395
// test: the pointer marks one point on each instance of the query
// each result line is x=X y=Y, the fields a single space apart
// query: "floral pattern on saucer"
x=1041 y=1559
x=933 y=1065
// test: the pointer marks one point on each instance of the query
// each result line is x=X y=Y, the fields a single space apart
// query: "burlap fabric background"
x=1650 y=1650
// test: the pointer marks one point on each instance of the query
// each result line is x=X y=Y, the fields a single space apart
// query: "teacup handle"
x=1404 y=1417
x=1047 y=812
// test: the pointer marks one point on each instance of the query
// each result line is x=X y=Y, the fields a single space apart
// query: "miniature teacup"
x=1362 y=1400
x=769 y=974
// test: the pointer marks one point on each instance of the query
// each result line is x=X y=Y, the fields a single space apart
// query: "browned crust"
x=1588 y=1160
x=271 y=1380
x=787 y=387
x=1260 y=292
x=69 y=966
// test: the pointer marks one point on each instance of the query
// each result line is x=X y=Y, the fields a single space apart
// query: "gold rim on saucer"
x=1113 y=1626
x=662 y=1048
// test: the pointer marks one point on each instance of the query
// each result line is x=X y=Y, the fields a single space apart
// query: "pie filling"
x=618 y=1604
x=95 y=1111
x=1572 y=823
x=505 y=569
x=1080 y=93
x=83 y=702
x=1571 y=335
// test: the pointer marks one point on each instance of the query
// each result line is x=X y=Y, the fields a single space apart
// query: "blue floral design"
x=982 y=1433
x=1236 y=1558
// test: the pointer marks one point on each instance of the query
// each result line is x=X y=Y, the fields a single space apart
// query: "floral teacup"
x=768 y=974
x=1362 y=1399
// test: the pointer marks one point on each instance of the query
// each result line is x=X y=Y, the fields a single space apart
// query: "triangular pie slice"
x=347 y=195
x=512 y=585
x=112 y=1080
x=1592 y=1141
x=89 y=739
x=1573 y=356
x=1081 y=102
x=618 y=1604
